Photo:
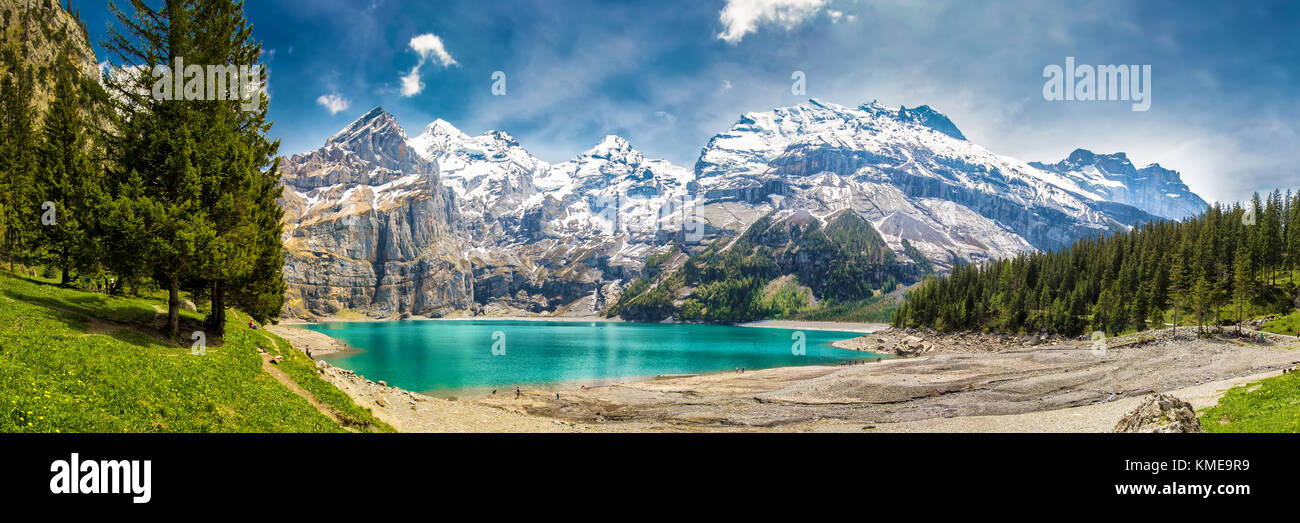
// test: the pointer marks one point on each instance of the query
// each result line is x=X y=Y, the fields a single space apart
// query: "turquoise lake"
x=459 y=354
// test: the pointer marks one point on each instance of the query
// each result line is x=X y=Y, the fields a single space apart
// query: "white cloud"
x=411 y=84
x=333 y=102
x=666 y=116
x=741 y=17
x=429 y=47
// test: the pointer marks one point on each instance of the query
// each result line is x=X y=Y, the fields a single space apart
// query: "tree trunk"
x=218 y=326
x=174 y=307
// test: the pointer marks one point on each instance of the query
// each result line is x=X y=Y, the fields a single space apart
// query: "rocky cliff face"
x=42 y=31
x=371 y=228
x=383 y=225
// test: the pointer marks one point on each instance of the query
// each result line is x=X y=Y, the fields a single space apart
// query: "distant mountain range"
x=381 y=224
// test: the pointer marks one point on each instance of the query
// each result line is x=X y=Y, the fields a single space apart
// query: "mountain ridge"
x=511 y=233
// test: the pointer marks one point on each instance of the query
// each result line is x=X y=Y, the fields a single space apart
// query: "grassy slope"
x=1288 y=325
x=74 y=361
x=1268 y=405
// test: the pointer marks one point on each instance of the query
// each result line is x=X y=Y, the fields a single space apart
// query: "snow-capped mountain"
x=949 y=197
x=1113 y=177
x=497 y=228
x=382 y=224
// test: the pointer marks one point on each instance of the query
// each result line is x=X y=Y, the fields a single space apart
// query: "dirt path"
x=274 y=370
x=271 y=367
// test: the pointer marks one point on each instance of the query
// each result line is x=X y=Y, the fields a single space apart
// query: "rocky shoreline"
x=909 y=342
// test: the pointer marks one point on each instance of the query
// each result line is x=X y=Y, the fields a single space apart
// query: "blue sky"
x=669 y=75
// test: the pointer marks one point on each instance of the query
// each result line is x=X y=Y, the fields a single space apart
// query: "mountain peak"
x=1080 y=156
x=613 y=141
x=613 y=147
x=1113 y=176
x=922 y=115
x=1113 y=162
x=376 y=121
x=440 y=127
x=926 y=116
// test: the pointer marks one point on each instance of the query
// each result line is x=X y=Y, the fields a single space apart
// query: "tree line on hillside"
x=775 y=269
x=1224 y=266
x=112 y=184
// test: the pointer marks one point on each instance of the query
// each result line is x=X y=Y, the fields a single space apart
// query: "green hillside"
x=796 y=267
x=76 y=361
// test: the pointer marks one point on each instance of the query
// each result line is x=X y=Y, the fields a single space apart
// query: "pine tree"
x=157 y=148
x=70 y=179
x=1177 y=288
x=1201 y=297
x=19 y=206
x=1244 y=281
x=1293 y=236
x=240 y=182
x=1270 y=230
x=201 y=175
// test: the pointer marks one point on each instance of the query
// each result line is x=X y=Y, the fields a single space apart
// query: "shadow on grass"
x=76 y=309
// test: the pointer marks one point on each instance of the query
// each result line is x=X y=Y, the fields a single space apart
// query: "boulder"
x=189 y=305
x=1160 y=413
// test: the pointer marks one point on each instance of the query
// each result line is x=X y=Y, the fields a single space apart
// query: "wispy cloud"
x=333 y=102
x=741 y=17
x=430 y=48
